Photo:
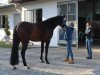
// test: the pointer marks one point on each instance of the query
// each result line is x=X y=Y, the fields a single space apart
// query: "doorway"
x=17 y=19
x=85 y=13
x=69 y=9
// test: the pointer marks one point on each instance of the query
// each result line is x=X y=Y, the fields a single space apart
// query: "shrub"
x=7 y=27
x=4 y=45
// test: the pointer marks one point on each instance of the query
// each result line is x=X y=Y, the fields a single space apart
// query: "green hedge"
x=4 y=45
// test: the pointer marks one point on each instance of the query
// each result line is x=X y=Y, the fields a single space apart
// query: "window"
x=68 y=9
x=71 y=12
x=62 y=8
x=29 y=15
x=33 y=16
x=2 y=21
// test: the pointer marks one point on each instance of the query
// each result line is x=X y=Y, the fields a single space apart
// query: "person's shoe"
x=89 y=57
x=71 y=61
x=66 y=60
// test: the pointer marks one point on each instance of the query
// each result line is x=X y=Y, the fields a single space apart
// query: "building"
x=77 y=11
x=14 y=16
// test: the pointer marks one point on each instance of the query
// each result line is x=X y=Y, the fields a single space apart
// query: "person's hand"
x=64 y=29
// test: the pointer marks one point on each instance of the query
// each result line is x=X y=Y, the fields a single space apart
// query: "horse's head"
x=61 y=21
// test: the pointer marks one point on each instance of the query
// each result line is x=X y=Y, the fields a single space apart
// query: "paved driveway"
x=57 y=66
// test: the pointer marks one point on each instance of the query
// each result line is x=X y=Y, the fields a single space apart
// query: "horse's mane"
x=50 y=23
x=51 y=19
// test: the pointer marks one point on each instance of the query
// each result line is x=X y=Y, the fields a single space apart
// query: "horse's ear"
x=64 y=16
x=59 y=15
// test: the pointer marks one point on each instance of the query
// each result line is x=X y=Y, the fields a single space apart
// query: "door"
x=70 y=10
x=17 y=19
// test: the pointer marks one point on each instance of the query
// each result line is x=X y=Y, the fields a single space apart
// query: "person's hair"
x=89 y=22
x=72 y=24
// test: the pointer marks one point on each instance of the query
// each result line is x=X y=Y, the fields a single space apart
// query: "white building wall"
x=10 y=12
x=49 y=9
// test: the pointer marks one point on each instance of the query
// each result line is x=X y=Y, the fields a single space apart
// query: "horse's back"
x=30 y=31
x=40 y=32
x=24 y=30
x=25 y=25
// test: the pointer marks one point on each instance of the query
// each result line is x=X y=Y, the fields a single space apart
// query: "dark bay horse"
x=25 y=31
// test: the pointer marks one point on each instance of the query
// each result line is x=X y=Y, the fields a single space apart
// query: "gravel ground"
x=82 y=66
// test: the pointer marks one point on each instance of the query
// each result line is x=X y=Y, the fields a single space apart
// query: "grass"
x=4 y=45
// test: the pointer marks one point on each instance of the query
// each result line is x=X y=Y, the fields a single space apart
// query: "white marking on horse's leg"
x=14 y=67
x=26 y=67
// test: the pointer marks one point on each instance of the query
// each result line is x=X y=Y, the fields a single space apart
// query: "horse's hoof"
x=47 y=63
x=42 y=62
x=28 y=67
x=14 y=68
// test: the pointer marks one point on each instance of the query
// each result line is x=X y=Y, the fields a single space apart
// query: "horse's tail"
x=14 y=60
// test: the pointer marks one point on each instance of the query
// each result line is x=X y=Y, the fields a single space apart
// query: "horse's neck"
x=54 y=24
x=51 y=23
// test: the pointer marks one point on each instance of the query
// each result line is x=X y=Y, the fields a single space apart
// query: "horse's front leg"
x=46 y=51
x=42 y=50
x=24 y=47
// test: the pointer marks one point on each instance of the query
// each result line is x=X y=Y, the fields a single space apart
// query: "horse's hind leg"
x=46 y=52
x=42 y=50
x=24 y=47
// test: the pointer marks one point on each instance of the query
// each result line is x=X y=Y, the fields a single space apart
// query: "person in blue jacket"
x=89 y=39
x=69 y=33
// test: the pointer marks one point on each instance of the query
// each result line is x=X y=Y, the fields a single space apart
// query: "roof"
x=21 y=1
x=7 y=6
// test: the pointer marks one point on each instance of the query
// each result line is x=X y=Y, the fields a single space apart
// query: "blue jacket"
x=69 y=32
